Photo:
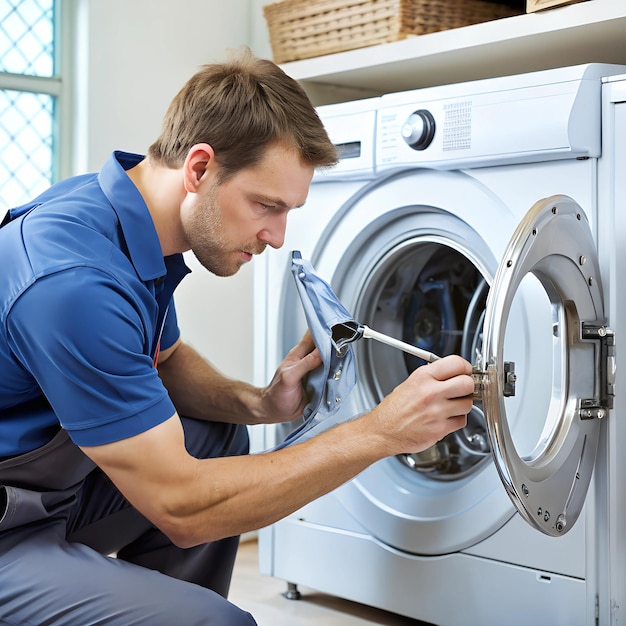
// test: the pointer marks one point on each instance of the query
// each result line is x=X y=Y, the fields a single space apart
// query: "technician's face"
x=229 y=223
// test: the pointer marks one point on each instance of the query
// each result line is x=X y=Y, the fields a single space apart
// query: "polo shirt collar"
x=144 y=247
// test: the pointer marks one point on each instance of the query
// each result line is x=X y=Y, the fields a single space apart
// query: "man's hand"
x=284 y=398
x=431 y=403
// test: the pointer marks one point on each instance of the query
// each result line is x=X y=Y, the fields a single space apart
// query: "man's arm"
x=194 y=501
x=198 y=390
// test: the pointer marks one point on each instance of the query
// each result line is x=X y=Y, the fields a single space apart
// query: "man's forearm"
x=198 y=390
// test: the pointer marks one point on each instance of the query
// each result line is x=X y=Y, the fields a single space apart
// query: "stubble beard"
x=205 y=232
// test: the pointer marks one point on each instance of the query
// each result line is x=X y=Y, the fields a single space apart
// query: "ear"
x=199 y=159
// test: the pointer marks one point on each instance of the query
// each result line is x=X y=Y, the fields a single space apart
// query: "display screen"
x=350 y=150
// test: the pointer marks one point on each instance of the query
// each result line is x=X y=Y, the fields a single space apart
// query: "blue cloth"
x=332 y=382
x=84 y=296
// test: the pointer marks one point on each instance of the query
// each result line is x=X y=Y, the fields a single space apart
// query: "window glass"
x=27 y=37
x=26 y=153
x=29 y=91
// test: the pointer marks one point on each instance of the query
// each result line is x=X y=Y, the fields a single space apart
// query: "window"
x=31 y=91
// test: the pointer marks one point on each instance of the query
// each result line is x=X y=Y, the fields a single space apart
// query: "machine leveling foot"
x=292 y=592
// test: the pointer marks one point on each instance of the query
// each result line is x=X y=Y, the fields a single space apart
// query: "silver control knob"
x=419 y=129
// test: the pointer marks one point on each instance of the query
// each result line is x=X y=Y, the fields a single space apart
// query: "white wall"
x=259 y=36
x=132 y=57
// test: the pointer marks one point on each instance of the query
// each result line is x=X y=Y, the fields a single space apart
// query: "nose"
x=274 y=233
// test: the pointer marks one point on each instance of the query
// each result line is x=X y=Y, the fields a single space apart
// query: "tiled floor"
x=262 y=596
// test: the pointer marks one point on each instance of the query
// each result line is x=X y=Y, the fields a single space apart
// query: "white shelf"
x=591 y=31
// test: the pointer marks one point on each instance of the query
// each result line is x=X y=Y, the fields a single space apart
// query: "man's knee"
x=206 y=440
x=234 y=616
x=241 y=441
x=218 y=612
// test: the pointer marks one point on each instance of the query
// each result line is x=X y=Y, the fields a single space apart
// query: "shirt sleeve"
x=85 y=338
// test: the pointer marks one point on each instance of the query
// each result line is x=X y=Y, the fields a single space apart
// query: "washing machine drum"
x=441 y=299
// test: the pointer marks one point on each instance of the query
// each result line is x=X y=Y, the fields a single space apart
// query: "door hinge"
x=597 y=408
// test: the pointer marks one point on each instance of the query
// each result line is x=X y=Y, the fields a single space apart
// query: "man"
x=115 y=436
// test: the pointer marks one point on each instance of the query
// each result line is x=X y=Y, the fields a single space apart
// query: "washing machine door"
x=553 y=245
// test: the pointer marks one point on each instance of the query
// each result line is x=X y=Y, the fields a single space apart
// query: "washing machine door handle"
x=554 y=243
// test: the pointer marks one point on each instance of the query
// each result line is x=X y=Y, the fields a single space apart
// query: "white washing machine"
x=480 y=219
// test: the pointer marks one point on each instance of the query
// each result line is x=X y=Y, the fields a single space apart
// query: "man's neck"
x=163 y=192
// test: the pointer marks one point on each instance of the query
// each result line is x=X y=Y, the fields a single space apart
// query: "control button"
x=419 y=129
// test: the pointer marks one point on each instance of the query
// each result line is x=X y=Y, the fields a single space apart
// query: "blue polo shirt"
x=85 y=299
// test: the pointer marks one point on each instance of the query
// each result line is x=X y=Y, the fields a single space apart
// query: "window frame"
x=59 y=86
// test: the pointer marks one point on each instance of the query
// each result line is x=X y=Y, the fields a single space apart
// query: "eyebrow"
x=277 y=202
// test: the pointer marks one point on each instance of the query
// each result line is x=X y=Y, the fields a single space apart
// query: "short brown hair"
x=240 y=107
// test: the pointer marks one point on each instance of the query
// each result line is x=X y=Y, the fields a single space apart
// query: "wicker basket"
x=300 y=29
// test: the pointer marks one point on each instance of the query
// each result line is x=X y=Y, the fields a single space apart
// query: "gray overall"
x=61 y=519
